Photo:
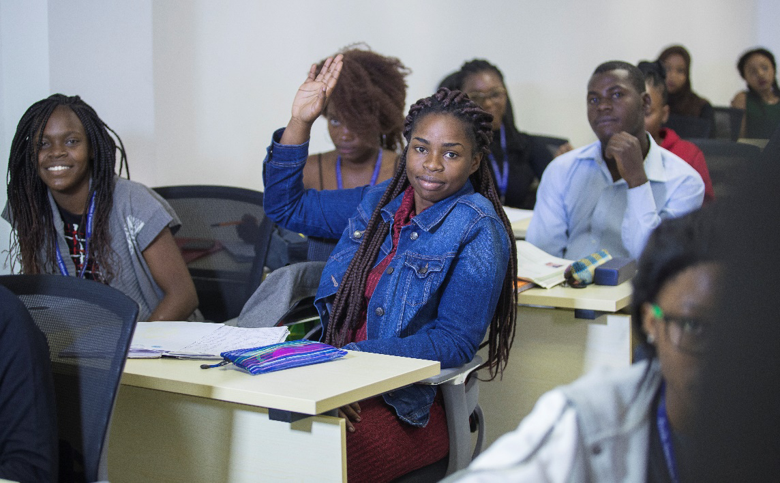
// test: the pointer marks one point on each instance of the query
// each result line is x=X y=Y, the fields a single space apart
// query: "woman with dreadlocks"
x=424 y=266
x=72 y=215
x=365 y=118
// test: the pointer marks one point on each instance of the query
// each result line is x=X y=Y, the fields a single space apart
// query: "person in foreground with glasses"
x=517 y=160
x=630 y=424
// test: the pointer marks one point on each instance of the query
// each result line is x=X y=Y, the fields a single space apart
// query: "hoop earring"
x=650 y=339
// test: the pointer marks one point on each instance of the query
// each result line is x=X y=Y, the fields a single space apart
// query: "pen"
x=227 y=223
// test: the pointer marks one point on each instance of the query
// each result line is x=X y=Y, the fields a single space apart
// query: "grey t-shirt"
x=138 y=215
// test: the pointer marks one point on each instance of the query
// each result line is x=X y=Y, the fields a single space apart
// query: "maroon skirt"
x=383 y=447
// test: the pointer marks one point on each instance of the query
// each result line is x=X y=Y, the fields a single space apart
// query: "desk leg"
x=551 y=348
x=161 y=436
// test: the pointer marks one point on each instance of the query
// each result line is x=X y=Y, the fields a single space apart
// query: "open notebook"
x=537 y=266
x=198 y=340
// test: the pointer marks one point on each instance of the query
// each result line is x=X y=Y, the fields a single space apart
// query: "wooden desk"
x=520 y=228
x=176 y=422
x=553 y=347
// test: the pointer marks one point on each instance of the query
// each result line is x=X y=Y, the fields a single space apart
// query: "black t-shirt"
x=75 y=236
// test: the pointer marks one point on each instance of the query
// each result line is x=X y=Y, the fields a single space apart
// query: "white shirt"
x=581 y=210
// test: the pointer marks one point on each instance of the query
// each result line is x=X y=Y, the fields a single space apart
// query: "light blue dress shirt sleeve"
x=549 y=227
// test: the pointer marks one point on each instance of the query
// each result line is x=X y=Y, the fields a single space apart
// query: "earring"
x=650 y=339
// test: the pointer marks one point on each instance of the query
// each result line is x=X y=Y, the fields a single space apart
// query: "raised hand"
x=311 y=99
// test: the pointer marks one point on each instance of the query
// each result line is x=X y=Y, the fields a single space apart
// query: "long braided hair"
x=349 y=302
x=28 y=197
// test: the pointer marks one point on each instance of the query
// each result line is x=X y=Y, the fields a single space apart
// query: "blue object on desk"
x=615 y=271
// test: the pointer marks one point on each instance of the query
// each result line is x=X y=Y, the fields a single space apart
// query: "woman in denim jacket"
x=423 y=267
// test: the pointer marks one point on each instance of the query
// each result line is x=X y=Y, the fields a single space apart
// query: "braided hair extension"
x=28 y=198
x=371 y=94
x=349 y=302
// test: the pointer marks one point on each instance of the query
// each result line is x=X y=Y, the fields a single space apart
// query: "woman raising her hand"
x=411 y=250
x=365 y=116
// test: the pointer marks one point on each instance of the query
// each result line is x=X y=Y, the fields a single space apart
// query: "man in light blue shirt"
x=611 y=194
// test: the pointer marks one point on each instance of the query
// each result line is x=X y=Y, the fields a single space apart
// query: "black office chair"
x=688 y=127
x=225 y=268
x=552 y=143
x=89 y=327
x=725 y=159
x=728 y=122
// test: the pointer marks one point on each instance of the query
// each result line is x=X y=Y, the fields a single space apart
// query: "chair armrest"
x=453 y=375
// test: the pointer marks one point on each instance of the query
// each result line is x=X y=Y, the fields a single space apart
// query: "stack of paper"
x=537 y=266
x=198 y=340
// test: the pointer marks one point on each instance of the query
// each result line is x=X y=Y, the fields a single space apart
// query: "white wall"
x=195 y=87
x=224 y=77
x=24 y=79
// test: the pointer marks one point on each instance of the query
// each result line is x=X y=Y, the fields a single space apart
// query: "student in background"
x=761 y=101
x=666 y=137
x=28 y=418
x=517 y=160
x=72 y=215
x=636 y=423
x=365 y=117
x=682 y=100
x=411 y=250
x=611 y=194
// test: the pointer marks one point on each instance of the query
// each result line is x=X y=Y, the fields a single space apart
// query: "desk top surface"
x=311 y=389
x=593 y=297
x=520 y=228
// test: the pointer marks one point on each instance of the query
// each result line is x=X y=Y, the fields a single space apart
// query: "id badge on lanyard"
x=87 y=237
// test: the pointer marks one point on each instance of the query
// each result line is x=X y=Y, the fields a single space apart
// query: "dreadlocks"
x=349 y=301
x=28 y=197
x=371 y=95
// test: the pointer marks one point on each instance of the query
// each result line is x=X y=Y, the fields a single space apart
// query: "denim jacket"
x=437 y=296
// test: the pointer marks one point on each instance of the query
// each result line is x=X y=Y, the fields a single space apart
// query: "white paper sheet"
x=200 y=340
x=227 y=338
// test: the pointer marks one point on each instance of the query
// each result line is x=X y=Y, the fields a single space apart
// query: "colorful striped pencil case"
x=259 y=360
x=580 y=273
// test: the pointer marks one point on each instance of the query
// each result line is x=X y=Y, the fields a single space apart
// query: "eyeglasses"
x=495 y=95
x=688 y=334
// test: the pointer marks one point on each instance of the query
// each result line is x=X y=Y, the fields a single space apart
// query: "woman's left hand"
x=351 y=414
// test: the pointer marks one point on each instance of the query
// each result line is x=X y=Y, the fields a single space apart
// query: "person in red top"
x=665 y=137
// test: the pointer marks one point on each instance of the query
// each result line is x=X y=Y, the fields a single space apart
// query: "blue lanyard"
x=374 y=176
x=665 y=433
x=87 y=237
x=502 y=178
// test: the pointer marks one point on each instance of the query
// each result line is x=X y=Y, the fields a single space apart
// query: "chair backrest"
x=728 y=122
x=552 y=143
x=225 y=268
x=689 y=127
x=89 y=327
x=725 y=159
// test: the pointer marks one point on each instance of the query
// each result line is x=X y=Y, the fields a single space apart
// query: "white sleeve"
x=543 y=447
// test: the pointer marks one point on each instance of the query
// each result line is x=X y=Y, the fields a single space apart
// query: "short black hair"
x=635 y=75
x=655 y=75
x=675 y=245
